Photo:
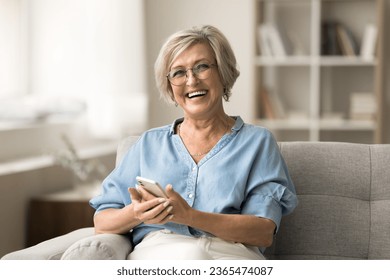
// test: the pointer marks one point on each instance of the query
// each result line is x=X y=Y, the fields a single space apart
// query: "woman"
x=226 y=181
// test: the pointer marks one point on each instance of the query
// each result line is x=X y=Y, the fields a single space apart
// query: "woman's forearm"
x=246 y=229
x=115 y=220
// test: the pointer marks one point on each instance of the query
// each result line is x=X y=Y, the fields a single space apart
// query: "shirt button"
x=190 y=195
x=194 y=168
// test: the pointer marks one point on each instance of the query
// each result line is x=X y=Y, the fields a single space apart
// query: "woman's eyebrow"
x=196 y=62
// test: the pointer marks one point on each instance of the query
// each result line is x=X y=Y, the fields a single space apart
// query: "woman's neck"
x=200 y=136
x=206 y=127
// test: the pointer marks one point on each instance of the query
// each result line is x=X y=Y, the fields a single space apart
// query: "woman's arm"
x=246 y=229
x=139 y=211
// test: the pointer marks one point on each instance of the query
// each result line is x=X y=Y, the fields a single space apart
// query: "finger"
x=151 y=204
x=156 y=214
x=169 y=190
x=162 y=218
x=167 y=219
x=134 y=195
x=149 y=209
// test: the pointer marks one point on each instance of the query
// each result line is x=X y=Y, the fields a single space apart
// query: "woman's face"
x=198 y=98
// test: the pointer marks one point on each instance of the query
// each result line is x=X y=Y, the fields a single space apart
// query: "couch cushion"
x=334 y=217
x=100 y=247
x=380 y=203
x=51 y=249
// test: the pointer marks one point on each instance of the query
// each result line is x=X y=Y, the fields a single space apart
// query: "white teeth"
x=196 y=93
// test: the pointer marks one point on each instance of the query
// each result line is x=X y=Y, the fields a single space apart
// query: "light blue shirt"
x=243 y=174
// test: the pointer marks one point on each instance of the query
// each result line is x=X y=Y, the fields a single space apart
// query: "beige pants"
x=166 y=245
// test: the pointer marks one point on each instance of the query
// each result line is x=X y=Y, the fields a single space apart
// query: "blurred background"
x=76 y=77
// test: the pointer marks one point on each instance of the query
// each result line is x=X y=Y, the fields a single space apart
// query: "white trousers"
x=166 y=245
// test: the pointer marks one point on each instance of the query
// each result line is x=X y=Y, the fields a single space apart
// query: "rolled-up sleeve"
x=114 y=192
x=109 y=198
x=270 y=192
x=274 y=204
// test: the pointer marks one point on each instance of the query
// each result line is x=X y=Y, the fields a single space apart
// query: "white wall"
x=234 y=18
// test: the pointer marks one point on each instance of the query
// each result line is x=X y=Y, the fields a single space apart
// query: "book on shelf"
x=271 y=105
x=264 y=41
x=337 y=39
x=369 y=41
x=267 y=110
x=272 y=41
x=329 y=43
x=346 y=40
x=362 y=106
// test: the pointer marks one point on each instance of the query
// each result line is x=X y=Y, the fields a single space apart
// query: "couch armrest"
x=51 y=249
x=100 y=247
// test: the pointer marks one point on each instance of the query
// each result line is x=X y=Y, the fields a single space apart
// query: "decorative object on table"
x=88 y=172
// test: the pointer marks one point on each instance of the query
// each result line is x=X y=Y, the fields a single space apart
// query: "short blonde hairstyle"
x=180 y=41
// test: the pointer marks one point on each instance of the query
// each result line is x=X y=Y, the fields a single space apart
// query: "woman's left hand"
x=181 y=212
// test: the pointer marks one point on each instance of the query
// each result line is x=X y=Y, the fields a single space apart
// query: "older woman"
x=227 y=184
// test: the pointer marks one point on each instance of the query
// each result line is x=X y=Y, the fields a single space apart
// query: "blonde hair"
x=180 y=41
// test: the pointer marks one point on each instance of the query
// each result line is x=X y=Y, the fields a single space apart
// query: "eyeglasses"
x=201 y=71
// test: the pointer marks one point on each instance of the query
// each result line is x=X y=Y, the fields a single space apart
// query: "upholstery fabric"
x=51 y=249
x=100 y=247
x=379 y=247
x=344 y=202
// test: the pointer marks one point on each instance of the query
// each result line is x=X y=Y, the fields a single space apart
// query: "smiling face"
x=198 y=98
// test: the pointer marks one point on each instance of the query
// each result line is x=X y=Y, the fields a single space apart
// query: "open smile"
x=197 y=93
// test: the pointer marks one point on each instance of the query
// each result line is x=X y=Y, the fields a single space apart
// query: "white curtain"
x=12 y=48
x=93 y=50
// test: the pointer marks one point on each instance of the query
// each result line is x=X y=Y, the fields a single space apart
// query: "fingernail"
x=161 y=200
x=170 y=217
x=169 y=209
x=166 y=204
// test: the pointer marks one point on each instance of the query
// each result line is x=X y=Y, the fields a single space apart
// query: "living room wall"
x=236 y=20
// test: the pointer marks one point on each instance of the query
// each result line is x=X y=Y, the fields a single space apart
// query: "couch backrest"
x=344 y=202
x=123 y=146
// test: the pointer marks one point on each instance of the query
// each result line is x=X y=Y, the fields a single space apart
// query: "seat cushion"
x=100 y=247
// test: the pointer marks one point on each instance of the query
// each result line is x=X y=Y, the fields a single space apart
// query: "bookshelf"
x=331 y=55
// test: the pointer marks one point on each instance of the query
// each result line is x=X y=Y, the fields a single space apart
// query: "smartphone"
x=151 y=186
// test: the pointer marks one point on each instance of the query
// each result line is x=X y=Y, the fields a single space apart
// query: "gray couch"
x=343 y=212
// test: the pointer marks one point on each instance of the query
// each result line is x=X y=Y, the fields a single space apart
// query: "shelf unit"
x=315 y=89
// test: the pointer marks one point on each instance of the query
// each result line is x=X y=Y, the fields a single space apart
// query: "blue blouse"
x=243 y=174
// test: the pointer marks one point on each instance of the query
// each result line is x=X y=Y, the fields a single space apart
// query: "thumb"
x=169 y=190
x=134 y=194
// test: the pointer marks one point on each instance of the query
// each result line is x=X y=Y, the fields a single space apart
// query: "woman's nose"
x=191 y=78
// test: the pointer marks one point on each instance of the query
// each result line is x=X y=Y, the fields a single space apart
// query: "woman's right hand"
x=149 y=209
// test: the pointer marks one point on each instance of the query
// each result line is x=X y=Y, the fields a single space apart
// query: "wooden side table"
x=59 y=213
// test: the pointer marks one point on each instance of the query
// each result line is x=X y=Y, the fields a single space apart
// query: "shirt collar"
x=238 y=124
x=236 y=127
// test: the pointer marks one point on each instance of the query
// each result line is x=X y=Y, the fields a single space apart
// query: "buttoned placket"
x=194 y=167
x=191 y=185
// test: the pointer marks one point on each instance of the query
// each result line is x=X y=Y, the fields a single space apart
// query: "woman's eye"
x=201 y=67
x=177 y=73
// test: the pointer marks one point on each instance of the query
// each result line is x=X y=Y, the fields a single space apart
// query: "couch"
x=343 y=211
